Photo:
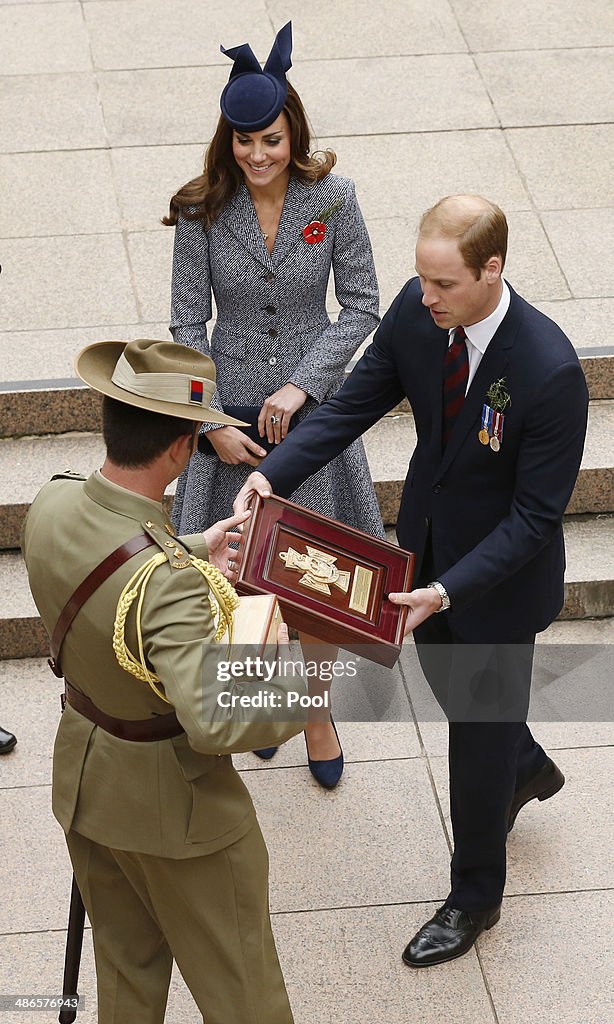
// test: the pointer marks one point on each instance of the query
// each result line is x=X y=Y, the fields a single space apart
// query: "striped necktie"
x=455 y=377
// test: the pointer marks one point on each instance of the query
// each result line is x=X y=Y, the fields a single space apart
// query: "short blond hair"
x=478 y=225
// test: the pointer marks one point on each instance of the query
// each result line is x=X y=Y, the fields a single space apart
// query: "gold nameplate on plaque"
x=318 y=568
x=361 y=590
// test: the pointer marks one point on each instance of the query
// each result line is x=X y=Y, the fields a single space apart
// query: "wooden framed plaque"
x=331 y=580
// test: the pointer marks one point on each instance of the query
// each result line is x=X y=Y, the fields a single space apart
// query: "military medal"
x=497 y=431
x=318 y=568
x=484 y=433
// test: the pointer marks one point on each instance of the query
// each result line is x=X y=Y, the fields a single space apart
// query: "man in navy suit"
x=500 y=408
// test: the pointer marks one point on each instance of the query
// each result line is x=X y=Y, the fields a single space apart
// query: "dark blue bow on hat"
x=254 y=96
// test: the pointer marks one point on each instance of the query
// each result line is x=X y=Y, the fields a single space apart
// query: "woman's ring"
x=231 y=564
x=274 y=419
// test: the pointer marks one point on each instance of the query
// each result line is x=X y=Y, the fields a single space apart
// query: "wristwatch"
x=443 y=593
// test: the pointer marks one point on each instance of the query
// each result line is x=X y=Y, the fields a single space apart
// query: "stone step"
x=47 y=407
x=598 y=366
x=389 y=443
x=589 y=587
x=26 y=463
x=579 y=631
x=21 y=631
x=589 y=577
x=35 y=670
x=56 y=406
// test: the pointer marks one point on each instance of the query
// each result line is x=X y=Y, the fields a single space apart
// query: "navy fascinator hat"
x=254 y=97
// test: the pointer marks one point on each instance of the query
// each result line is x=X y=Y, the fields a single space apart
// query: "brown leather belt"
x=85 y=590
x=143 y=730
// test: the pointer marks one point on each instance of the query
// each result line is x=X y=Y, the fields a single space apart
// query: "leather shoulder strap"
x=85 y=590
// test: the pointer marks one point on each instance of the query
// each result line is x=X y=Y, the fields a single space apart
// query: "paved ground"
x=105 y=108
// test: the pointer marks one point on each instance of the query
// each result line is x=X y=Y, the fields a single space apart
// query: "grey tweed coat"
x=272 y=327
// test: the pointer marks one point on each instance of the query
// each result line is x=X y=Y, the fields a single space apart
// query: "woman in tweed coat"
x=272 y=328
x=273 y=343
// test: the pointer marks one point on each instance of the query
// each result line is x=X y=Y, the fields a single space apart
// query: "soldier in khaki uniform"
x=162 y=833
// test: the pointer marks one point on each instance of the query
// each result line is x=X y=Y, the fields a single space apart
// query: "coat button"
x=273 y=361
x=269 y=276
x=270 y=309
x=436 y=488
x=272 y=332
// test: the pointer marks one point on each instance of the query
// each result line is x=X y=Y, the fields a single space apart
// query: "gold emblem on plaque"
x=319 y=570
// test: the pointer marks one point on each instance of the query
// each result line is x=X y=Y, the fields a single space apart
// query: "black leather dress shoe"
x=542 y=786
x=448 y=934
x=7 y=741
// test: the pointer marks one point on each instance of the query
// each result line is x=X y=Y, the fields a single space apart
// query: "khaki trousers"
x=210 y=914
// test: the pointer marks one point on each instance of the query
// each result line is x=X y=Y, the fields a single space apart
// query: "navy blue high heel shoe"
x=327 y=773
x=266 y=753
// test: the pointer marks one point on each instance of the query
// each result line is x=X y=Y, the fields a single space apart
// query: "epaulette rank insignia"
x=178 y=557
x=69 y=474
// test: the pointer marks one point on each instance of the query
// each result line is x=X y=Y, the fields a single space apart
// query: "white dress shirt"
x=480 y=335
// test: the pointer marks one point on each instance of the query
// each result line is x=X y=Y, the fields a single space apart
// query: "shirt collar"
x=119 y=499
x=481 y=334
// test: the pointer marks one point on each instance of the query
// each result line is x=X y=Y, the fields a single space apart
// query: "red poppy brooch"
x=316 y=229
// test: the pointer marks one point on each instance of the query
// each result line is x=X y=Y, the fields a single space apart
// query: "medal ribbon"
x=498 y=425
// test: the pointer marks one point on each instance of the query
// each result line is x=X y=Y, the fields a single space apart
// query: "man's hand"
x=256 y=483
x=235 y=447
x=421 y=604
x=219 y=537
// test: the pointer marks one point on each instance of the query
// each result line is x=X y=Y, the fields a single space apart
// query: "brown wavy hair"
x=205 y=197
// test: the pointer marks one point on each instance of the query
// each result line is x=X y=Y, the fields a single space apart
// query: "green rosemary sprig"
x=498 y=396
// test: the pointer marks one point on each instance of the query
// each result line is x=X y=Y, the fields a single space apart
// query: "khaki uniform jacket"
x=175 y=798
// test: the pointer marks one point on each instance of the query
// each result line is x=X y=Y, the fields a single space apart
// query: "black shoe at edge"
x=448 y=934
x=7 y=741
x=548 y=781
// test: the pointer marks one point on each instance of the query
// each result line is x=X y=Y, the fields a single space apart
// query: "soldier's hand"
x=421 y=603
x=219 y=537
x=256 y=483
x=283 y=637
